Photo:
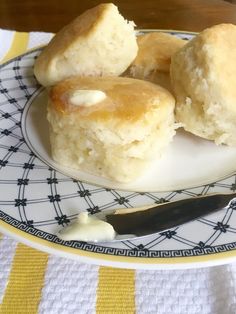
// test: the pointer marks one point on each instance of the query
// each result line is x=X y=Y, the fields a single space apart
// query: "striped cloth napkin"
x=35 y=282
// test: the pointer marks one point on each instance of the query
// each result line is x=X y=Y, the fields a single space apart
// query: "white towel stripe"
x=38 y=38
x=70 y=287
x=195 y=291
x=7 y=252
x=6 y=38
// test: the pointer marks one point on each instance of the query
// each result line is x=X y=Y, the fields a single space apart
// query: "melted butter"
x=89 y=229
x=127 y=99
x=86 y=97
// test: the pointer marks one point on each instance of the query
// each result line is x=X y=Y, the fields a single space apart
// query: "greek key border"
x=89 y=247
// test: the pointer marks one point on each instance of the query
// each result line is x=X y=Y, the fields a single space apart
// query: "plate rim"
x=118 y=261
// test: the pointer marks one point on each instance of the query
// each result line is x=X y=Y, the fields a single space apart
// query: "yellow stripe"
x=18 y=46
x=26 y=279
x=116 y=291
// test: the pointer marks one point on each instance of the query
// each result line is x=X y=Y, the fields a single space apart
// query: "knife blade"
x=168 y=215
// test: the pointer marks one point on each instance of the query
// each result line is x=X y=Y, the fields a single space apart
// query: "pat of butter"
x=88 y=228
x=86 y=97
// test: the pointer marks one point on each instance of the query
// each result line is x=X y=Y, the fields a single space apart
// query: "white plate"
x=36 y=199
x=200 y=161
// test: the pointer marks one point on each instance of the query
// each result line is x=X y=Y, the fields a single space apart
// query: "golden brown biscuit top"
x=79 y=28
x=156 y=49
x=127 y=99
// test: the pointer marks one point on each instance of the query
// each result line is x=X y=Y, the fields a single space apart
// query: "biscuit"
x=152 y=62
x=109 y=126
x=99 y=42
x=203 y=78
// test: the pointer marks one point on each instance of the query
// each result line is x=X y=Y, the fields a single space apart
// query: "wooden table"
x=51 y=15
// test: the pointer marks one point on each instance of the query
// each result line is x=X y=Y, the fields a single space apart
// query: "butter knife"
x=168 y=215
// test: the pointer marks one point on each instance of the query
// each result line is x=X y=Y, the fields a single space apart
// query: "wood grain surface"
x=51 y=15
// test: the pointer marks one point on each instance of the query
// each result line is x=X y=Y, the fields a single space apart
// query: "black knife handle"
x=168 y=215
